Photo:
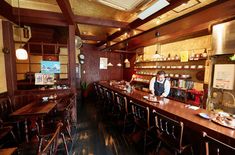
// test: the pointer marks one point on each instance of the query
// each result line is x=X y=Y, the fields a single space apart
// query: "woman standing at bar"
x=159 y=85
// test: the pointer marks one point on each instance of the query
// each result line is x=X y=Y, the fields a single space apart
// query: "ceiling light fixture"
x=21 y=53
x=153 y=9
x=126 y=60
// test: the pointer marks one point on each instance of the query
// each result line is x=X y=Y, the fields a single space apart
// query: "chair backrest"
x=122 y=103
x=170 y=129
x=52 y=144
x=109 y=96
x=96 y=89
x=101 y=91
x=6 y=107
x=216 y=147
x=140 y=114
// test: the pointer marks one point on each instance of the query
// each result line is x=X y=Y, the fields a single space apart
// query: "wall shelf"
x=147 y=69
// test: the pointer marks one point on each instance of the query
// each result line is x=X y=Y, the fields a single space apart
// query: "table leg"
x=26 y=130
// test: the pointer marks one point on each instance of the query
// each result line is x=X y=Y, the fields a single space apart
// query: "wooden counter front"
x=179 y=111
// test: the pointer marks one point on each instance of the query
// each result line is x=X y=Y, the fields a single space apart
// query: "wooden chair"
x=63 y=113
x=97 y=92
x=141 y=117
x=216 y=147
x=6 y=123
x=123 y=109
x=4 y=132
x=109 y=99
x=51 y=142
x=170 y=132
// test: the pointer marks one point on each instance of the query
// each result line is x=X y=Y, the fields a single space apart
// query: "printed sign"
x=44 y=79
x=224 y=75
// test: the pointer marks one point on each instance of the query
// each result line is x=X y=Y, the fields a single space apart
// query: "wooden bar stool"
x=123 y=110
x=216 y=147
x=141 y=117
x=170 y=132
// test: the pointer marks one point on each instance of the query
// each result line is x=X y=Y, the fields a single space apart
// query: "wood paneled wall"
x=90 y=69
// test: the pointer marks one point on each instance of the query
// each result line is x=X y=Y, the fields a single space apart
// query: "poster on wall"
x=103 y=63
x=184 y=56
x=44 y=79
x=224 y=75
x=50 y=67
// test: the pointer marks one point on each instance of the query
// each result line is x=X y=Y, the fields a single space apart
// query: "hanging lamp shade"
x=119 y=64
x=126 y=61
x=21 y=54
x=110 y=64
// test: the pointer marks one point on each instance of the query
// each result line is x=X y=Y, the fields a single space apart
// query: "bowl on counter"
x=200 y=66
x=186 y=66
x=177 y=75
x=193 y=66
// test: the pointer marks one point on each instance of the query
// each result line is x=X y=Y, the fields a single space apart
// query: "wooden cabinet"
x=187 y=78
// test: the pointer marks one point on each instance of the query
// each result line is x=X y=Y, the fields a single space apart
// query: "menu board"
x=184 y=56
x=44 y=79
x=224 y=75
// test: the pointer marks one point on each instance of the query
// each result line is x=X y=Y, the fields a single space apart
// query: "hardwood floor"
x=96 y=134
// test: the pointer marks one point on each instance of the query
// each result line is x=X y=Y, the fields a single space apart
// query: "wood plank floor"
x=99 y=134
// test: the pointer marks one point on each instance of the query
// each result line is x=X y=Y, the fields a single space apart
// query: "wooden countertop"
x=178 y=110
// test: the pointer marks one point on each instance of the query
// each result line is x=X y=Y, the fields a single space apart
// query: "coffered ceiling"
x=103 y=14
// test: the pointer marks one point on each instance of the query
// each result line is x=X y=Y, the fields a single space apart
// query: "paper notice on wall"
x=103 y=63
x=224 y=75
x=184 y=56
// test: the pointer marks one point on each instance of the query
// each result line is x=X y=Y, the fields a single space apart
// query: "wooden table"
x=32 y=110
x=8 y=151
x=179 y=111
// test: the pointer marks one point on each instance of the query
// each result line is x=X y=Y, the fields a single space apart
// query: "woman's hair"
x=161 y=73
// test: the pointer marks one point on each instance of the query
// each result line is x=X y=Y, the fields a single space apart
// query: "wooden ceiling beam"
x=59 y=18
x=68 y=13
x=184 y=27
x=6 y=10
x=99 y=22
x=91 y=37
x=41 y=21
x=138 y=22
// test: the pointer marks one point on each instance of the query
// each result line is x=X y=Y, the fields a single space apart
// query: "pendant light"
x=21 y=53
x=157 y=55
x=120 y=59
x=126 y=60
x=109 y=64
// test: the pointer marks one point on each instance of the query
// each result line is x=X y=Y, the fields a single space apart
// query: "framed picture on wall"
x=50 y=66
x=103 y=63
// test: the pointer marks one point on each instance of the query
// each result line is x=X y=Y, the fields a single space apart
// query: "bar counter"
x=179 y=111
